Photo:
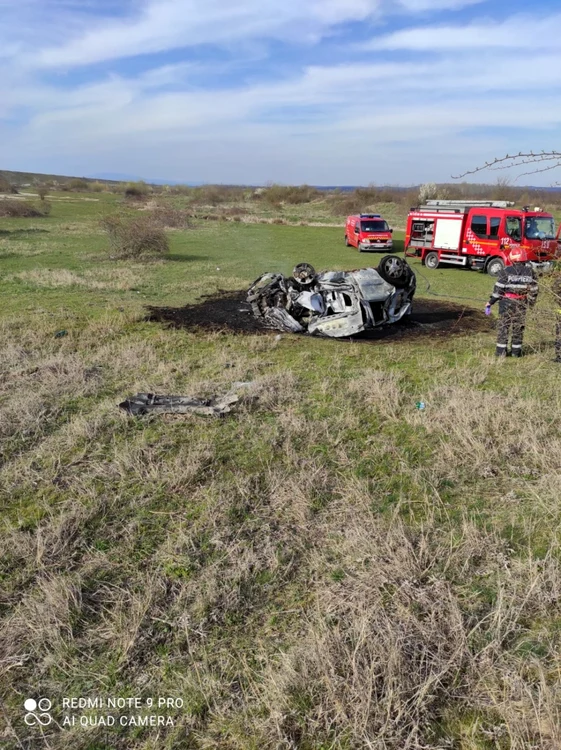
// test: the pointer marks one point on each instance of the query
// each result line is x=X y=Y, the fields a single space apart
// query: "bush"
x=78 y=184
x=293 y=194
x=16 y=209
x=42 y=192
x=135 y=236
x=214 y=195
x=365 y=199
x=6 y=187
x=179 y=190
x=345 y=204
x=137 y=191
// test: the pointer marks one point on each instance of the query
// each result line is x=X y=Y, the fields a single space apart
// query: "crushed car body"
x=334 y=303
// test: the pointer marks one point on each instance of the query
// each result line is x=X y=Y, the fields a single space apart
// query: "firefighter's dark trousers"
x=558 y=336
x=512 y=319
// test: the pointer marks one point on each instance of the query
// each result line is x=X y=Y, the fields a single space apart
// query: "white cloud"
x=519 y=32
x=419 y=6
x=164 y=25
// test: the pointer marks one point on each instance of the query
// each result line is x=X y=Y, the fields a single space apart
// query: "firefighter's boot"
x=500 y=351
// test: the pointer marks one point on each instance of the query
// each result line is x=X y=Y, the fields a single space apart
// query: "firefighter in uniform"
x=515 y=290
x=556 y=290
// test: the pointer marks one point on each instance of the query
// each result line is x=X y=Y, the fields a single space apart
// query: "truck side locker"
x=448 y=234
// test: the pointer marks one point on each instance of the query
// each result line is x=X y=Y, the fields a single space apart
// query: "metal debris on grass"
x=218 y=406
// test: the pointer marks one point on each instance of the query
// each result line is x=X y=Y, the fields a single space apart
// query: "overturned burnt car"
x=334 y=303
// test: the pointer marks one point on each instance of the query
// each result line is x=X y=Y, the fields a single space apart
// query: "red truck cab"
x=479 y=234
x=539 y=236
x=368 y=233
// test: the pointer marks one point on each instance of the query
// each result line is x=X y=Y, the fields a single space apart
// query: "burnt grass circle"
x=229 y=312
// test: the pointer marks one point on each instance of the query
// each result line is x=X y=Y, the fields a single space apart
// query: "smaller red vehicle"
x=368 y=233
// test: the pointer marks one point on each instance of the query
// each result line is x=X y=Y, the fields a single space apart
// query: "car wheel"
x=495 y=266
x=395 y=271
x=431 y=260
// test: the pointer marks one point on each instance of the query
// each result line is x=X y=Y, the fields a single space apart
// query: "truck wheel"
x=494 y=266
x=431 y=260
x=395 y=271
x=347 y=243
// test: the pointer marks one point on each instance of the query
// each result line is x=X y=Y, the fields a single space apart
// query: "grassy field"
x=328 y=567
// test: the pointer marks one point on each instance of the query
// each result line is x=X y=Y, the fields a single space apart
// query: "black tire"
x=431 y=260
x=347 y=243
x=395 y=271
x=494 y=266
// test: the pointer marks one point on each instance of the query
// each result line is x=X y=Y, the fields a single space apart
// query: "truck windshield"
x=374 y=226
x=539 y=228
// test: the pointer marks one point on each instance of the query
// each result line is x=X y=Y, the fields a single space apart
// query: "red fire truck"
x=479 y=234
x=368 y=232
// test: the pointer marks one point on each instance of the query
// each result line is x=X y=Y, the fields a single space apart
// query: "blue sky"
x=292 y=91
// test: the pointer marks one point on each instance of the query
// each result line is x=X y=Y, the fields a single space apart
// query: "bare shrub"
x=364 y=199
x=293 y=194
x=7 y=187
x=78 y=184
x=17 y=209
x=214 y=195
x=178 y=189
x=344 y=204
x=135 y=236
x=137 y=190
x=42 y=192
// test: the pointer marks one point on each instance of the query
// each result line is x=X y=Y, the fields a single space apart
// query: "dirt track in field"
x=229 y=312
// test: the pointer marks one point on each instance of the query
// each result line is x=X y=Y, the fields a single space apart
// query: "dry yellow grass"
x=124 y=280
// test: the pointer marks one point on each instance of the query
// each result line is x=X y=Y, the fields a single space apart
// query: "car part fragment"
x=150 y=403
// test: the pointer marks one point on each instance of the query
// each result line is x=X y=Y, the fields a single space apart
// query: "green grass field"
x=327 y=567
